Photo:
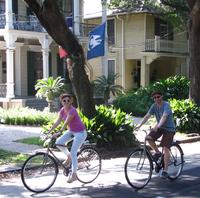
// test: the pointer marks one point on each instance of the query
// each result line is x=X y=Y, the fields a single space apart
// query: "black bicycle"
x=40 y=170
x=140 y=164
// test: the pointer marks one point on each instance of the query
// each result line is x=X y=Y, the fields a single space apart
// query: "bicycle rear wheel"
x=176 y=162
x=138 y=169
x=89 y=164
x=39 y=172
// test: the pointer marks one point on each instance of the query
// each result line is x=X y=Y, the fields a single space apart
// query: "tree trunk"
x=52 y=20
x=194 y=50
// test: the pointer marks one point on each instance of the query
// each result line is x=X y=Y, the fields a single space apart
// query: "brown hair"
x=64 y=95
x=156 y=93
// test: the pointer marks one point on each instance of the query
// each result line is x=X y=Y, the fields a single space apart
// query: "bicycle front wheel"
x=39 y=172
x=89 y=164
x=176 y=162
x=138 y=169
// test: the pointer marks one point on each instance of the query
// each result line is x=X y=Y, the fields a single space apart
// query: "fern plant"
x=49 y=88
x=107 y=86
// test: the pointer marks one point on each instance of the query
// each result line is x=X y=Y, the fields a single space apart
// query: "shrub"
x=25 y=116
x=110 y=127
x=138 y=102
x=187 y=115
x=173 y=87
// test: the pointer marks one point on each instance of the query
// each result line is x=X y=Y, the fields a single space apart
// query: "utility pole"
x=76 y=17
x=104 y=59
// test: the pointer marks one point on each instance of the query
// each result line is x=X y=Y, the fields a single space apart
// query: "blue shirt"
x=158 y=111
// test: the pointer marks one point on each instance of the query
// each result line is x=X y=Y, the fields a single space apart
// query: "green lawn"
x=31 y=140
x=7 y=157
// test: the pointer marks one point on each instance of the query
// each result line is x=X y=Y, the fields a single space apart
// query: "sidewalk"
x=8 y=137
x=9 y=134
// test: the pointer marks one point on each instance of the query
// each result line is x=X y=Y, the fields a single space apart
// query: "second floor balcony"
x=31 y=23
x=165 y=46
x=27 y=23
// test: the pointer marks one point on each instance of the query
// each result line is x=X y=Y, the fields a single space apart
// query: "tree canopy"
x=184 y=14
x=174 y=11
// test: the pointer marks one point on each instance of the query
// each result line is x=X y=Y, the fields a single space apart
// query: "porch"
x=166 y=46
x=31 y=102
x=31 y=23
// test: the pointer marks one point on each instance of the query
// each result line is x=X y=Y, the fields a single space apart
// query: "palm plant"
x=106 y=86
x=49 y=88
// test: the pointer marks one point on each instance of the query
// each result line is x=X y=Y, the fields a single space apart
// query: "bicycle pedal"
x=157 y=169
x=66 y=172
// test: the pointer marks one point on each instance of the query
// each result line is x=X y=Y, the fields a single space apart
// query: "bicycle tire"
x=89 y=164
x=138 y=169
x=176 y=162
x=39 y=172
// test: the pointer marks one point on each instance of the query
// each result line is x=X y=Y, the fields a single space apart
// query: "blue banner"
x=96 y=42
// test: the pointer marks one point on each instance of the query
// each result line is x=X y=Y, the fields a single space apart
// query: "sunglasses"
x=156 y=97
x=65 y=100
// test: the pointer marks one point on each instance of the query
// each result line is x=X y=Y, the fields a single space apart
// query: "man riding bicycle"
x=164 y=127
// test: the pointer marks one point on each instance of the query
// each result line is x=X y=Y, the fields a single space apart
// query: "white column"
x=45 y=42
x=122 y=51
x=105 y=57
x=1 y=68
x=144 y=72
x=9 y=14
x=76 y=17
x=45 y=56
x=10 y=72
x=10 y=47
x=157 y=43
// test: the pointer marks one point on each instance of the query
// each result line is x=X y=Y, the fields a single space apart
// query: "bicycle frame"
x=159 y=163
x=50 y=152
x=147 y=151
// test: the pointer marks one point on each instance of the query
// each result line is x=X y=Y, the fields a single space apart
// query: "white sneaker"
x=72 y=178
x=164 y=174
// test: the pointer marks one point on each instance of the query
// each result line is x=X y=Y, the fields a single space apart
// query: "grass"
x=8 y=157
x=31 y=140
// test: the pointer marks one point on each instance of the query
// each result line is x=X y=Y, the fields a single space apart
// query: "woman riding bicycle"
x=165 y=127
x=76 y=131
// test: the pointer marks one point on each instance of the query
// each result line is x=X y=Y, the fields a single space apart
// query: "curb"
x=189 y=140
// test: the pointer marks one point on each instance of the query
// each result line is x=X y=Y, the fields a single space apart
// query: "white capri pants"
x=78 y=140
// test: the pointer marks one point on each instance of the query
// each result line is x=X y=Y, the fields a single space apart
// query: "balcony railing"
x=3 y=89
x=159 y=45
x=86 y=28
x=27 y=23
x=31 y=23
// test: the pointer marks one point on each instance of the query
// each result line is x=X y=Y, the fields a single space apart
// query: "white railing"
x=161 y=45
x=3 y=89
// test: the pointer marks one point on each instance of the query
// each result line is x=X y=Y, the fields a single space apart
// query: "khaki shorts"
x=167 y=137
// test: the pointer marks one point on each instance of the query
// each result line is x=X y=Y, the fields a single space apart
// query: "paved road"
x=111 y=182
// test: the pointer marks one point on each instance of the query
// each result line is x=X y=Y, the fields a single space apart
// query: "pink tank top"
x=76 y=125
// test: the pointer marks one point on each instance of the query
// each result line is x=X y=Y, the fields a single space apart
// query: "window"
x=163 y=29
x=2 y=6
x=65 y=7
x=111 y=31
x=111 y=68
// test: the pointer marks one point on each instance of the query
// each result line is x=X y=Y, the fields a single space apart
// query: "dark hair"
x=64 y=95
x=156 y=93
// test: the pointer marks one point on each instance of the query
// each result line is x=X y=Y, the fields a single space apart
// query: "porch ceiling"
x=164 y=54
x=22 y=34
